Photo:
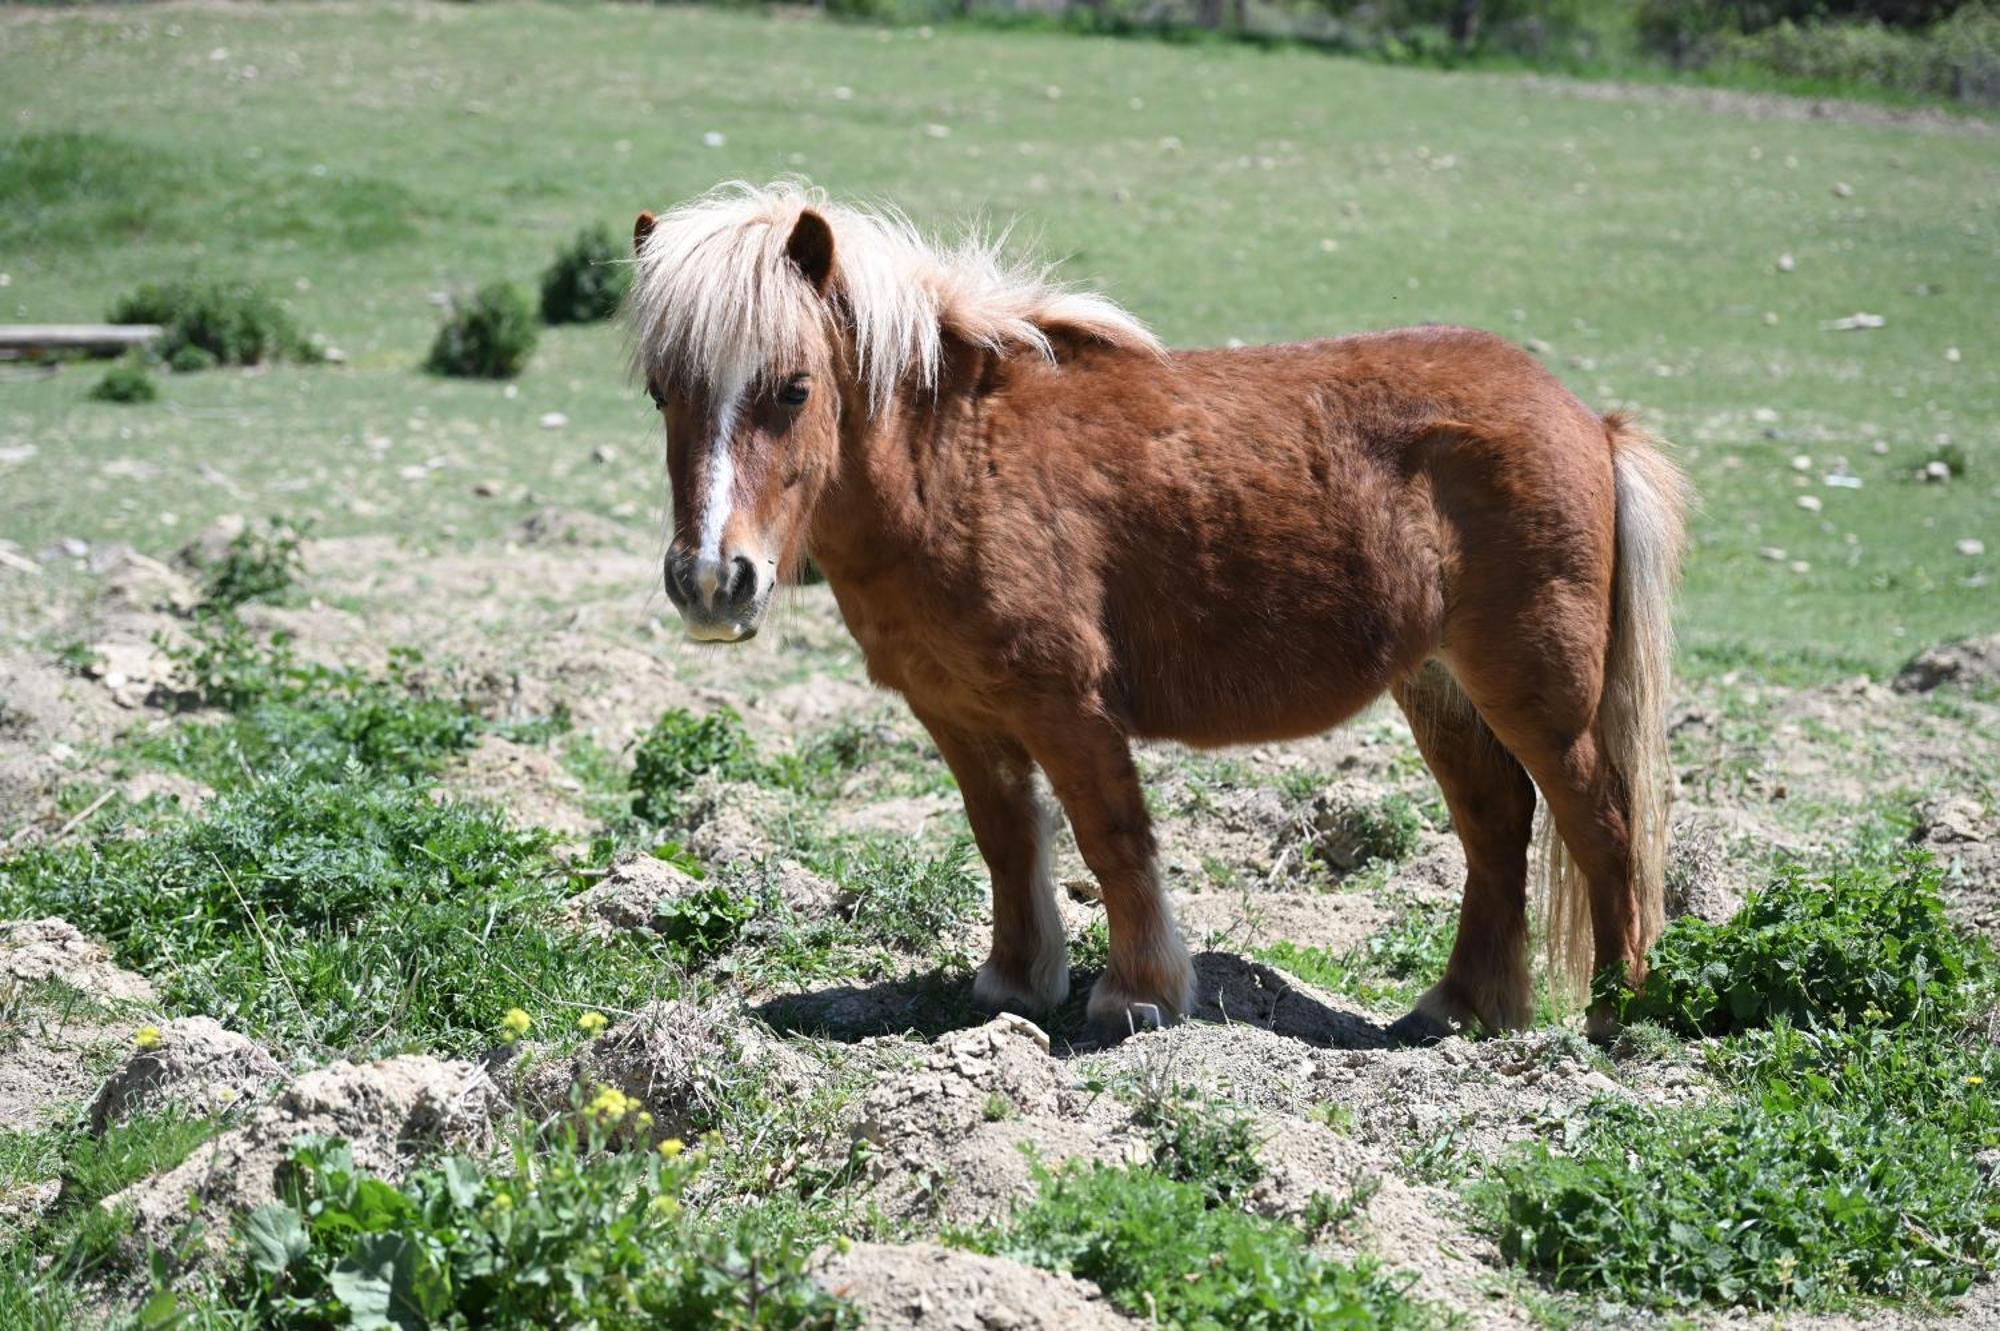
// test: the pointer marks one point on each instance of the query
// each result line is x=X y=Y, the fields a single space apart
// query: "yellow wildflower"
x=516 y=1023
x=645 y=1120
x=147 y=1037
x=611 y=1104
x=503 y=1202
x=590 y=1023
x=1975 y=1080
x=672 y=1147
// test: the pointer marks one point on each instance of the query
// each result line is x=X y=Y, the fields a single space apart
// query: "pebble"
x=1775 y=554
x=714 y=138
x=1802 y=463
x=1810 y=503
x=1937 y=471
x=1843 y=190
x=554 y=420
x=1951 y=355
x=1971 y=547
x=603 y=453
x=1786 y=263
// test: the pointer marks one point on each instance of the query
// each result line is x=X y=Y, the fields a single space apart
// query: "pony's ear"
x=810 y=249
x=640 y=230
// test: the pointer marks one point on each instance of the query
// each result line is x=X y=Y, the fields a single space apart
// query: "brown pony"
x=1053 y=537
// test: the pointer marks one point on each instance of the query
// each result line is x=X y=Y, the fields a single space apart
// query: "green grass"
x=1840 y=1164
x=1163 y=1250
x=1389 y=969
x=387 y=152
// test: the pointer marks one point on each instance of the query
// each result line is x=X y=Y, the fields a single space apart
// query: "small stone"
x=1786 y=263
x=1773 y=553
x=714 y=138
x=1880 y=448
x=1937 y=471
x=553 y=420
x=603 y=453
x=1843 y=190
x=1951 y=355
x=938 y=131
x=1800 y=566
x=1802 y=463
x=1971 y=547
x=486 y=489
x=1810 y=503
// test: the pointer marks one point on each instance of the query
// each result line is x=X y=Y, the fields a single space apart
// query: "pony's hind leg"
x=1028 y=969
x=1492 y=805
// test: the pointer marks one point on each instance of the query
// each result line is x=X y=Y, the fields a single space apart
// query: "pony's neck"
x=896 y=471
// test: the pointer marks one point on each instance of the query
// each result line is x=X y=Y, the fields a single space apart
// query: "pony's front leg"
x=1028 y=970
x=1150 y=980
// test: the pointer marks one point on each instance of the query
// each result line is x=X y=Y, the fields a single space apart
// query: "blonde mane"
x=716 y=301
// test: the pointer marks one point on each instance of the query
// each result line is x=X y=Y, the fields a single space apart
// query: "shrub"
x=128 y=381
x=1866 y=945
x=572 y=1235
x=1204 y=1144
x=682 y=747
x=489 y=336
x=233 y=323
x=587 y=281
x=1160 y=1249
x=1350 y=834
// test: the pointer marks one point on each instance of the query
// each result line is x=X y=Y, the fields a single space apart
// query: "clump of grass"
x=567 y=1232
x=1862 y=945
x=129 y=382
x=587 y=281
x=489 y=335
x=1163 y=1250
x=1199 y=1142
x=681 y=748
x=229 y=323
x=903 y=897
x=1350 y=834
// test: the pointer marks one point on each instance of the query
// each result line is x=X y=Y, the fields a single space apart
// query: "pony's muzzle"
x=721 y=598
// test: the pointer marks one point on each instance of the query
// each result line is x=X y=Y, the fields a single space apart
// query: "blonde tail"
x=1652 y=498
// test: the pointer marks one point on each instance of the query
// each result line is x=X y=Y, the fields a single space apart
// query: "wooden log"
x=20 y=340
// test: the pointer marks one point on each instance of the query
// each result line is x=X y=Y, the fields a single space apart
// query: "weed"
x=1860 y=944
x=1387 y=969
x=256 y=565
x=489 y=335
x=1202 y=1143
x=681 y=748
x=1163 y=1250
x=903 y=897
x=587 y=281
x=565 y=1233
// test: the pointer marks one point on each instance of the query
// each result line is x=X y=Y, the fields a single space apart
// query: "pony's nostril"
x=742 y=581
x=680 y=580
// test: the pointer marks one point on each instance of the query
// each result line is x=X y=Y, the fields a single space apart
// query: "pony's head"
x=774 y=329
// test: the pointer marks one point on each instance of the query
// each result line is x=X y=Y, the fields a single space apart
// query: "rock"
x=390 y=1113
x=1966 y=663
x=924 y=1287
x=131 y=671
x=196 y=1065
x=50 y=949
x=1951 y=820
x=211 y=543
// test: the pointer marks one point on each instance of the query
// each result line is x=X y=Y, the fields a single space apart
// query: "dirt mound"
x=527 y=783
x=1969 y=663
x=682 y=1062
x=724 y=821
x=923 y=1287
x=967 y=1077
x=1964 y=838
x=570 y=526
x=194 y=1064
x=389 y=1112
x=32 y=951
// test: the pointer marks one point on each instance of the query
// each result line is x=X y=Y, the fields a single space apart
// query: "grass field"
x=401 y=925
x=358 y=159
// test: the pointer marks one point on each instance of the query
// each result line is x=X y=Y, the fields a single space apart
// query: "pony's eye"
x=794 y=392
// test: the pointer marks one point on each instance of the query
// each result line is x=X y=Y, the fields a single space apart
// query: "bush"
x=128 y=381
x=682 y=747
x=233 y=323
x=1161 y=1250
x=489 y=336
x=1865 y=946
x=573 y=1235
x=587 y=281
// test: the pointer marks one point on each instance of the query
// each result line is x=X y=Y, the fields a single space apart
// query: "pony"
x=1053 y=537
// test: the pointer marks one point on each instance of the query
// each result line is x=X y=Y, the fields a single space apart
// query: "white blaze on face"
x=720 y=500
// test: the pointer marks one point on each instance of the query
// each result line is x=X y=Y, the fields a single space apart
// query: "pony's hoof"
x=1419 y=1030
x=999 y=988
x=1116 y=1010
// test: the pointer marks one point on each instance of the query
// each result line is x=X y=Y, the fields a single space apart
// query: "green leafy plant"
x=1386 y=969
x=682 y=747
x=231 y=323
x=1163 y=1250
x=489 y=335
x=1199 y=1142
x=1861 y=944
x=257 y=565
x=565 y=1233
x=129 y=381
x=588 y=279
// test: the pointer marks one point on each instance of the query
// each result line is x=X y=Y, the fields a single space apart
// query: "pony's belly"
x=1212 y=705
